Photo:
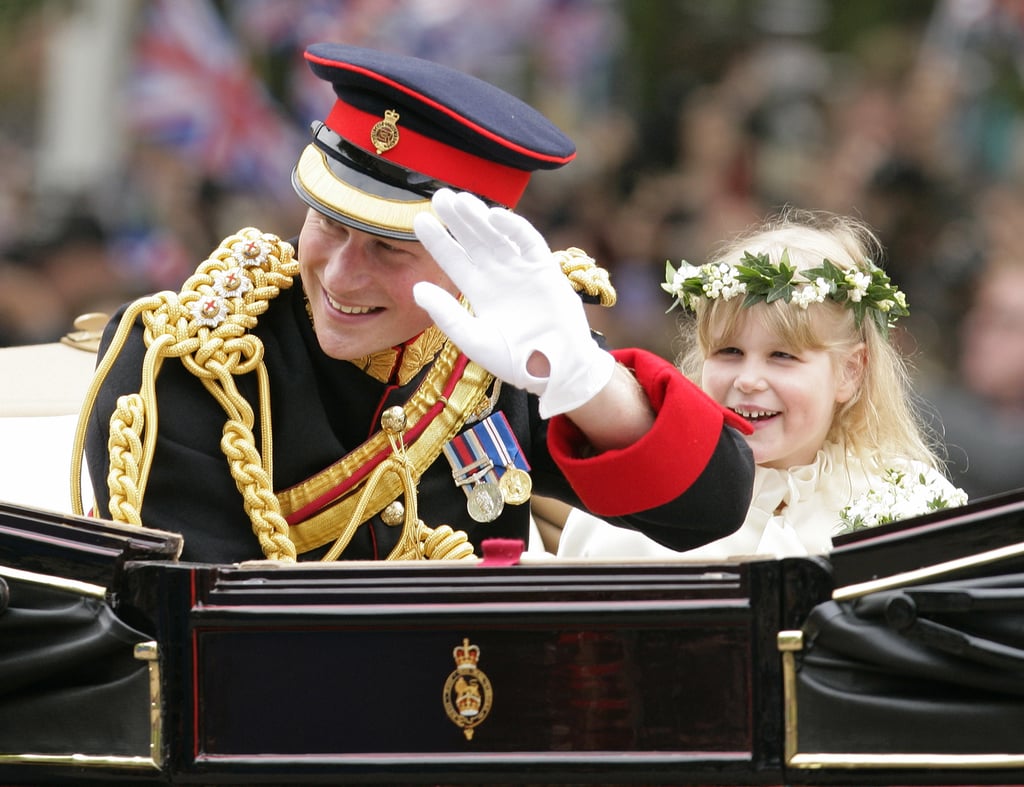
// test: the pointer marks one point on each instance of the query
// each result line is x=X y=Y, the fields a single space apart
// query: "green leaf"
x=780 y=290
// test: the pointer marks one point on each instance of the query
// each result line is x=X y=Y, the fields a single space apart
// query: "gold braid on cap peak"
x=207 y=326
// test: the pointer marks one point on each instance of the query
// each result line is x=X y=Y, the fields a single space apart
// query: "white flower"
x=685 y=271
x=720 y=281
x=815 y=292
x=900 y=495
x=859 y=283
x=803 y=297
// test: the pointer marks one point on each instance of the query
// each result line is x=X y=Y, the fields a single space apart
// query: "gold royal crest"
x=384 y=134
x=467 y=692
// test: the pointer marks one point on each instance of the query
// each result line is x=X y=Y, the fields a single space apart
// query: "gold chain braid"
x=124 y=448
x=256 y=486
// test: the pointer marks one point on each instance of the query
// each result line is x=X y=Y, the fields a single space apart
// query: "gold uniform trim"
x=415 y=355
x=468 y=396
x=315 y=176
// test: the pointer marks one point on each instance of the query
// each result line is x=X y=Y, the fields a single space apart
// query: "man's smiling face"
x=360 y=287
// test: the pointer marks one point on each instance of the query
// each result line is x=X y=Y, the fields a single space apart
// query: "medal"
x=488 y=465
x=485 y=502
x=514 y=478
x=516 y=486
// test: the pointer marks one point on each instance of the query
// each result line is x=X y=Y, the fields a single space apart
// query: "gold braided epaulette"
x=208 y=327
x=585 y=275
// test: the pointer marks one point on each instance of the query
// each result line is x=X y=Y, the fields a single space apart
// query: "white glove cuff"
x=588 y=375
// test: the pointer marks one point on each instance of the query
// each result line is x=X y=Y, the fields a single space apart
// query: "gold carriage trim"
x=789 y=643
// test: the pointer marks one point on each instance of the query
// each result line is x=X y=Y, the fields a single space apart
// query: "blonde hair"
x=881 y=419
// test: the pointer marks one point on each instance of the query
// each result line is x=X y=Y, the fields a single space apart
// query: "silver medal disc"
x=485 y=502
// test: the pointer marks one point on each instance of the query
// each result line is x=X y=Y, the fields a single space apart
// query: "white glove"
x=522 y=302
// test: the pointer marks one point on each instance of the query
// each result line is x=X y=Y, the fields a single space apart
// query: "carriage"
x=896 y=659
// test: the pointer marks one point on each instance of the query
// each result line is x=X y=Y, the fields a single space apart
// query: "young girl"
x=790 y=329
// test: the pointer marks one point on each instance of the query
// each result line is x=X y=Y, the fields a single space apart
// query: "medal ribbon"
x=499 y=437
x=484 y=453
x=470 y=463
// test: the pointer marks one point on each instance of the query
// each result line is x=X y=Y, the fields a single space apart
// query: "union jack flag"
x=192 y=89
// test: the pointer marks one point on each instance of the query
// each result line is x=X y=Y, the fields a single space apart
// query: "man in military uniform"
x=420 y=366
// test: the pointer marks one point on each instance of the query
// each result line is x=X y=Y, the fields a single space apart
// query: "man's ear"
x=851 y=373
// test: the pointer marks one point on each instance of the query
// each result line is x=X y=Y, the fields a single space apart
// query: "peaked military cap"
x=403 y=127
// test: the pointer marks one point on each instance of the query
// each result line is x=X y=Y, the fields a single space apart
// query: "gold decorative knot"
x=585 y=275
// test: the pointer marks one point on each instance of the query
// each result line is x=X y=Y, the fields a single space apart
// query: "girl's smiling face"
x=788 y=393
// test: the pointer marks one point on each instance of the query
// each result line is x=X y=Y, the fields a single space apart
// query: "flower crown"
x=864 y=292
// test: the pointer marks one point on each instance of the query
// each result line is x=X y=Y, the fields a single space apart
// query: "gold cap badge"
x=384 y=134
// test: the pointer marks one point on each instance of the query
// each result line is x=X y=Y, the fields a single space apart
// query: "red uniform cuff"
x=660 y=466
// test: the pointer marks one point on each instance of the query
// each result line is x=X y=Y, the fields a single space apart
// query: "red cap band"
x=497 y=182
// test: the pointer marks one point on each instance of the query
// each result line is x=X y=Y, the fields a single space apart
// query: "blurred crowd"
x=693 y=120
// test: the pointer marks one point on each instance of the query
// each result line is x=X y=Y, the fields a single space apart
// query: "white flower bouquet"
x=901 y=495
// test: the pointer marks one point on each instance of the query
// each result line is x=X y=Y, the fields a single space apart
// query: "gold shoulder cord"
x=207 y=326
